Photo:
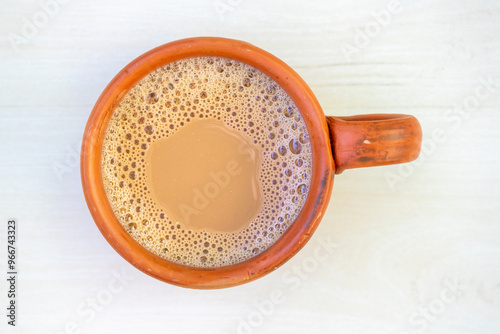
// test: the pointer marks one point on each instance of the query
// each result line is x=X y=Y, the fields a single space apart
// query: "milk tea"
x=206 y=161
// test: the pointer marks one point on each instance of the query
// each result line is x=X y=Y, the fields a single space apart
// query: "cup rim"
x=287 y=245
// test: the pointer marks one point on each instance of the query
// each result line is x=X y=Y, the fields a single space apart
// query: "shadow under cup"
x=323 y=165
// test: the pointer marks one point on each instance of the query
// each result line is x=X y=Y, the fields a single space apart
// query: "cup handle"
x=374 y=140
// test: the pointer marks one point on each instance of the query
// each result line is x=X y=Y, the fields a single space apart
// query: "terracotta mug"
x=338 y=143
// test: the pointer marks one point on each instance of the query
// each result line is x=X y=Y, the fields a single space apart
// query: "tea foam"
x=175 y=96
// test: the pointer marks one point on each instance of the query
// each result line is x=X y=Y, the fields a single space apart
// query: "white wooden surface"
x=397 y=249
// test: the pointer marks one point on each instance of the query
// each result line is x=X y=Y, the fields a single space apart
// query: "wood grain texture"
x=403 y=236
